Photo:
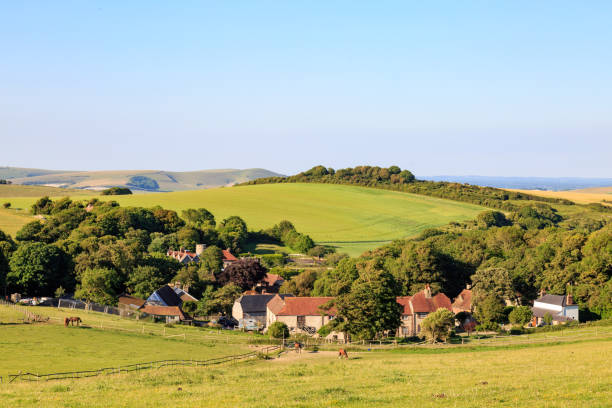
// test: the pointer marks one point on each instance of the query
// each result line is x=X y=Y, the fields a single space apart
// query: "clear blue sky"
x=519 y=88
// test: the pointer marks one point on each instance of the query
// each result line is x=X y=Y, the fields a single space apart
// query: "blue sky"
x=506 y=88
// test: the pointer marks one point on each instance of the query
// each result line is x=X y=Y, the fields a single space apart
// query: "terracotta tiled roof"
x=305 y=306
x=405 y=302
x=227 y=256
x=272 y=279
x=463 y=302
x=131 y=300
x=422 y=304
x=163 y=311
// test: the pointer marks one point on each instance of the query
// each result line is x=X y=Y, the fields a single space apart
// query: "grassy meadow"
x=352 y=218
x=564 y=375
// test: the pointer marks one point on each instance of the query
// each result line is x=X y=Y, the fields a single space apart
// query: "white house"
x=561 y=308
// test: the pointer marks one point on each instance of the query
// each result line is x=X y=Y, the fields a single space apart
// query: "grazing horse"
x=342 y=354
x=72 y=321
x=297 y=347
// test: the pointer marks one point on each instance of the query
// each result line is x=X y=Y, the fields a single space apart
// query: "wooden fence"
x=29 y=316
x=138 y=367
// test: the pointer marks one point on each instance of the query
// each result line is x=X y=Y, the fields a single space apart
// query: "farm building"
x=228 y=258
x=129 y=304
x=299 y=313
x=417 y=307
x=253 y=307
x=169 y=314
x=561 y=309
x=169 y=296
x=463 y=302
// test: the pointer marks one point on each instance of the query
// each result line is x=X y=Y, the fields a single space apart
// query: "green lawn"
x=352 y=218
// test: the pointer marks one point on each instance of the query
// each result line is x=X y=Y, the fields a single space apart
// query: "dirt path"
x=291 y=355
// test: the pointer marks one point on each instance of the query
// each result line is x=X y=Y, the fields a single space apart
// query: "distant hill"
x=526 y=183
x=136 y=180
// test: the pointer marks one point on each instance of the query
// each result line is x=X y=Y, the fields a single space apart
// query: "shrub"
x=325 y=330
x=116 y=191
x=436 y=326
x=6 y=205
x=278 y=330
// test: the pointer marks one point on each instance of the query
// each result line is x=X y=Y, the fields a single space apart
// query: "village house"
x=300 y=314
x=253 y=306
x=170 y=296
x=186 y=257
x=270 y=284
x=417 y=307
x=561 y=309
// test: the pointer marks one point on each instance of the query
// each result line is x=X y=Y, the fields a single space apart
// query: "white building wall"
x=237 y=311
x=571 y=312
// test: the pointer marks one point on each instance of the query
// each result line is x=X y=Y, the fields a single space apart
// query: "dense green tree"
x=99 y=285
x=370 y=308
x=144 y=280
x=301 y=284
x=233 y=233
x=489 y=219
x=436 y=326
x=199 y=218
x=223 y=299
x=211 y=261
x=520 y=315
x=37 y=269
x=490 y=309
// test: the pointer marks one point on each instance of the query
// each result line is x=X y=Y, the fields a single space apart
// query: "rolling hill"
x=350 y=217
x=137 y=180
x=582 y=196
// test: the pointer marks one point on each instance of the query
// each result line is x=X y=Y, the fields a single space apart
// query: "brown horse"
x=297 y=347
x=72 y=321
x=342 y=354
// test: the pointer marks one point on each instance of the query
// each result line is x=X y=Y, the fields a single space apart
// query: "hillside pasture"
x=351 y=218
x=554 y=375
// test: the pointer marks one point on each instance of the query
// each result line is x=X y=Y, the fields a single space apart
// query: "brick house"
x=417 y=307
x=300 y=314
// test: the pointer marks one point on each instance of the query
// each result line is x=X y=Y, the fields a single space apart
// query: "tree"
x=189 y=306
x=370 y=308
x=233 y=233
x=223 y=299
x=6 y=205
x=437 y=325
x=300 y=285
x=116 y=191
x=489 y=283
x=245 y=273
x=144 y=280
x=489 y=219
x=43 y=205
x=490 y=309
x=211 y=260
x=37 y=269
x=278 y=330
x=520 y=315
x=99 y=285
x=200 y=218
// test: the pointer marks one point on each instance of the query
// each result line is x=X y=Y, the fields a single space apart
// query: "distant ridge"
x=137 y=180
x=527 y=183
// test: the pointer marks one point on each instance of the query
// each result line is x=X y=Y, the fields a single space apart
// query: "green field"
x=572 y=369
x=352 y=218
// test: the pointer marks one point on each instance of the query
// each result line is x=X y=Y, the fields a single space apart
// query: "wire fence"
x=138 y=367
x=29 y=316
x=94 y=307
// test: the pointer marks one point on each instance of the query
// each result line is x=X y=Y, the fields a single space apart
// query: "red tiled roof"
x=163 y=311
x=463 y=302
x=304 y=306
x=131 y=300
x=227 y=256
x=271 y=279
x=276 y=304
x=422 y=304
x=405 y=302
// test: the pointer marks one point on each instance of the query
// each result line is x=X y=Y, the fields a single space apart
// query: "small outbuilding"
x=561 y=309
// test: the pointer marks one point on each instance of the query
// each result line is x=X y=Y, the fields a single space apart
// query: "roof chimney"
x=468 y=286
x=427 y=291
x=569 y=300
